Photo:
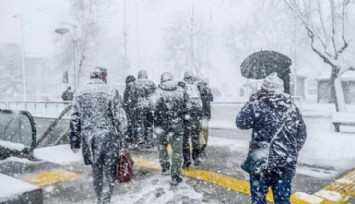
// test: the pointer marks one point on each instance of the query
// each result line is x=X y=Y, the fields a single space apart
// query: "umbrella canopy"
x=260 y=64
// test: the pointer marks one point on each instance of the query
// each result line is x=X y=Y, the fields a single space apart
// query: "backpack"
x=193 y=97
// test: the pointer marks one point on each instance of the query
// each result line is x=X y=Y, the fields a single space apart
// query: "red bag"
x=124 y=167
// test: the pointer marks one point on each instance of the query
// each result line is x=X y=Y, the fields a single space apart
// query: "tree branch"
x=324 y=44
x=346 y=44
x=320 y=13
x=332 y=11
x=319 y=53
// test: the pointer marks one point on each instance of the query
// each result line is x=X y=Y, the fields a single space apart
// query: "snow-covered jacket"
x=130 y=97
x=264 y=116
x=207 y=98
x=97 y=123
x=145 y=90
x=169 y=112
x=192 y=96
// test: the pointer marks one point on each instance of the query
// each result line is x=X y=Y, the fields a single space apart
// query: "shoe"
x=175 y=180
x=186 y=165
x=197 y=162
x=203 y=155
x=165 y=172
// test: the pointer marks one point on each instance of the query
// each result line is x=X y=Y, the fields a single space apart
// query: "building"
x=324 y=88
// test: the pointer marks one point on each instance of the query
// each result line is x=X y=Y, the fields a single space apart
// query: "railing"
x=241 y=101
x=37 y=109
x=53 y=109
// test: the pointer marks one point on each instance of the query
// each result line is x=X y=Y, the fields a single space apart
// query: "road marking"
x=50 y=177
x=221 y=180
x=337 y=192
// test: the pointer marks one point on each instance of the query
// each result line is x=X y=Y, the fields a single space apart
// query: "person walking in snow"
x=169 y=125
x=143 y=112
x=129 y=103
x=193 y=109
x=207 y=98
x=97 y=126
x=278 y=134
x=67 y=95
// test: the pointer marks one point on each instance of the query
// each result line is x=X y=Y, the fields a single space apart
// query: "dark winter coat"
x=130 y=95
x=194 y=103
x=264 y=115
x=169 y=112
x=67 y=95
x=97 y=123
x=207 y=98
x=145 y=90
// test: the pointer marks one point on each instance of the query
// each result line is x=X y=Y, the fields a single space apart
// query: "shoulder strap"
x=282 y=122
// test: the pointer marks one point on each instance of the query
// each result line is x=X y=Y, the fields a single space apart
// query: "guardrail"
x=37 y=109
x=53 y=109
x=296 y=99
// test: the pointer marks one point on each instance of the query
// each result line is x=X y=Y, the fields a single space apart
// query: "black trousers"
x=192 y=131
x=104 y=181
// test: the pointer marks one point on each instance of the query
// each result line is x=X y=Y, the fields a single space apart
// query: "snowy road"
x=325 y=157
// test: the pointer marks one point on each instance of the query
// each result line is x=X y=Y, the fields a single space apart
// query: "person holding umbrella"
x=279 y=133
x=265 y=62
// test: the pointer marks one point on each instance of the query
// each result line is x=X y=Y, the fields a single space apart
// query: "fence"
x=53 y=109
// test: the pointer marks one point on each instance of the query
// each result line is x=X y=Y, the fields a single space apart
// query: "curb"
x=34 y=196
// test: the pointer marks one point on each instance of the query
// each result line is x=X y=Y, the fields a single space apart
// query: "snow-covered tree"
x=329 y=27
x=187 y=44
x=11 y=78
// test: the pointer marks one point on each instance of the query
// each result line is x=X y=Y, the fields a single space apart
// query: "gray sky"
x=148 y=29
x=40 y=18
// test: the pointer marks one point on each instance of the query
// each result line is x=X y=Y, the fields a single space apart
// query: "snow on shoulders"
x=60 y=154
x=11 y=187
x=12 y=145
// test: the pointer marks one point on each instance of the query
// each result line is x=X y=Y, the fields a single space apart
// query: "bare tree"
x=11 y=76
x=187 y=44
x=86 y=14
x=325 y=23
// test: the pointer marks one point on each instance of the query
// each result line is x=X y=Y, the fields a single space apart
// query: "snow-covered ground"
x=60 y=154
x=324 y=155
x=155 y=191
x=11 y=187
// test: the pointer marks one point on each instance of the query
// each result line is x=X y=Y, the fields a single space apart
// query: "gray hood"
x=169 y=85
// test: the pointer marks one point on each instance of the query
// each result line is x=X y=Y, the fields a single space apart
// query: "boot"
x=175 y=180
x=195 y=154
x=186 y=164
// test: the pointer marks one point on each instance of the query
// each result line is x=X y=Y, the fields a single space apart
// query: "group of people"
x=173 y=111
x=177 y=112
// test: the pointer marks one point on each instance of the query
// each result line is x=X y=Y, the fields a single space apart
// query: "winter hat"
x=97 y=72
x=188 y=74
x=130 y=79
x=272 y=83
x=166 y=76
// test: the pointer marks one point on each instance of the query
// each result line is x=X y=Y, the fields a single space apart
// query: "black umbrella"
x=261 y=64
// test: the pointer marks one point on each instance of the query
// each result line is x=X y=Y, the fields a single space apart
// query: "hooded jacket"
x=144 y=89
x=130 y=94
x=169 y=112
x=207 y=98
x=265 y=115
x=98 y=122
